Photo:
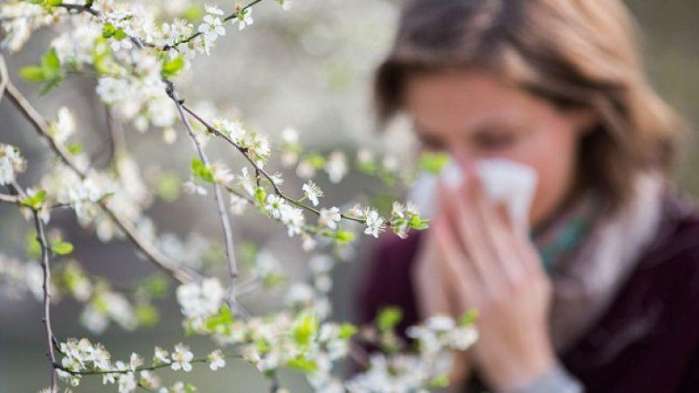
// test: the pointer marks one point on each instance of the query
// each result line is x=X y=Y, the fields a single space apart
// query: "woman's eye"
x=431 y=143
x=492 y=141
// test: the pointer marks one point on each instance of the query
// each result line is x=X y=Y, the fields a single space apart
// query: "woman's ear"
x=584 y=120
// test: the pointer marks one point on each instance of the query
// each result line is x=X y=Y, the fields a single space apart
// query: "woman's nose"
x=465 y=160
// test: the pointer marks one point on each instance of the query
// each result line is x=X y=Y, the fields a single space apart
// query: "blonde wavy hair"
x=575 y=53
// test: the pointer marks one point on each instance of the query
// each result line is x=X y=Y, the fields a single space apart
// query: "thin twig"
x=77 y=9
x=198 y=33
x=260 y=170
x=46 y=281
x=160 y=260
x=4 y=77
x=12 y=199
x=218 y=196
x=138 y=369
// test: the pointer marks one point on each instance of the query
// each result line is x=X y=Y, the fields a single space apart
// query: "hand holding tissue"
x=504 y=181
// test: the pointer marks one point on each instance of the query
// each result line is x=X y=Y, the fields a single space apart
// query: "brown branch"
x=160 y=260
x=138 y=369
x=218 y=196
x=277 y=190
x=46 y=281
x=197 y=34
x=11 y=199
x=77 y=9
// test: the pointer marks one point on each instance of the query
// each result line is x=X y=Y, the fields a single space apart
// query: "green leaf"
x=302 y=364
x=73 y=277
x=51 y=64
x=51 y=84
x=200 y=170
x=305 y=329
x=155 y=286
x=147 y=315
x=32 y=73
x=120 y=34
x=32 y=245
x=260 y=195
x=193 y=13
x=102 y=57
x=262 y=346
x=344 y=237
x=368 y=167
x=389 y=318
x=75 y=148
x=61 y=247
x=433 y=162
x=172 y=67
x=35 y=201
x=169 y=187
x=48 y=4
x=347 y=330
x=469 y=318
x=108 y=30
x=418 y=223
x=439 y=382
x=221 y=322
x=316 y=160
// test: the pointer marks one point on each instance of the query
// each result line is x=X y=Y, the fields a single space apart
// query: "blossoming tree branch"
x=136 y=53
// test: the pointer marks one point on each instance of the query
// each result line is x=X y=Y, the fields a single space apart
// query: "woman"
x=603 y=296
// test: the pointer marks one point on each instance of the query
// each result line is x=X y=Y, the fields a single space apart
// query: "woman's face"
x=473 y=115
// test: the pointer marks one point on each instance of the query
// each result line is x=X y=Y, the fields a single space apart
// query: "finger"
x=466 y=285
x=507 y=260
x=521 y=245
x=471 y=229
x=430 y=281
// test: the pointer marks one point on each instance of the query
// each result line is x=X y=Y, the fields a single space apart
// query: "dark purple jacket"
x=646 y=342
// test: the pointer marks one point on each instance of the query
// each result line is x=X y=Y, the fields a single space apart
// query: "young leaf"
x=389 y=318
x=35 y=201
x=433 y=162
x=172 y=67
x=32 y=73
x=200 y=170
x=61 y=247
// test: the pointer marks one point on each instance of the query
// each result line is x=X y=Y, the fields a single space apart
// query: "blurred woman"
x=602 y=294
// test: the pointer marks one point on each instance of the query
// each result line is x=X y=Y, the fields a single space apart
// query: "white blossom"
x=181 y=358
x=244 y=18
x=11 y=163
x=64 y=126
x=329 y=217
x=247 y=182
x=212 y=25
x=286 y=4
x=336 y=166
x=237 y=205
x=161 y=356
x=216 y=360
x=200 y=299
x=275 y=205
x=293 y=218
x=222 y=174
x=192 y=187
x=127 y=383
x=374 y=223
x=312 y=191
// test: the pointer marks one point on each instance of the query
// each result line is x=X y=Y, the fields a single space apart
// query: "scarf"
x=589 y=255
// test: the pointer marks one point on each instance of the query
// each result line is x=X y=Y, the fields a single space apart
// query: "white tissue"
x=504 y=181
